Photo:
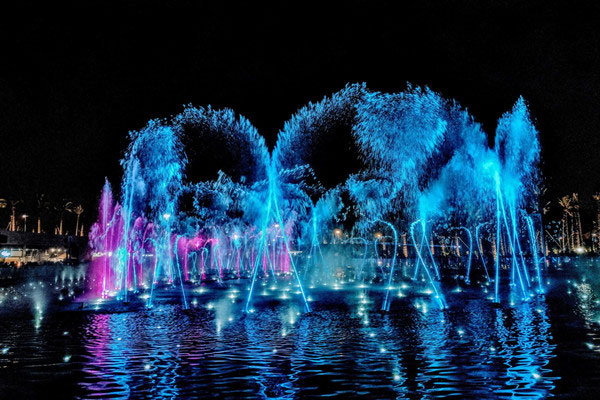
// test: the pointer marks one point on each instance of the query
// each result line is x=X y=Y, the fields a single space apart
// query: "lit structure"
x=21 y=248
x=427 y=170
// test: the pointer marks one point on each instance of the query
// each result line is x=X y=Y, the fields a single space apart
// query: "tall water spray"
x=203 y=199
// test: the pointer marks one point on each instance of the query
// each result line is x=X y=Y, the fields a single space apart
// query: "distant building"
x=24 y=247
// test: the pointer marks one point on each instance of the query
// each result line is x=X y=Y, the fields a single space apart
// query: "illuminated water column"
x=274 y=211
x=155 y=272
x=285 y=239
x=123 y=252
x=185 y=305
x=387 y=301
x=315 y=248
x=418 y=261
x=517 y=245
x=497 y=274
x=468 y=277
x=511 y=243
x=477 y=239
x=534 y=252
x=364 y=257
x=433 y=263
x=438 y=295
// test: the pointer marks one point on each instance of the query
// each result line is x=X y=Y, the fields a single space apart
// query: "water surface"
x=345 y=348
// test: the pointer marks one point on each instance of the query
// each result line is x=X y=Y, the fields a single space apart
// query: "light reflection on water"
x=345 y=348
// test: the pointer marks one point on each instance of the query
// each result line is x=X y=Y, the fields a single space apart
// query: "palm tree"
x=42 y=205
x=577 y=231
x=4 y=204
x=61 y=207
x=597 y=227
x=13 y=218
x=567 y=205
x=77 y=210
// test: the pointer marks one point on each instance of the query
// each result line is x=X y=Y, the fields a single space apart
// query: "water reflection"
x=345 y=348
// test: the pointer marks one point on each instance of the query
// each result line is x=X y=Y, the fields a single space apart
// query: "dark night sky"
x=73 y=82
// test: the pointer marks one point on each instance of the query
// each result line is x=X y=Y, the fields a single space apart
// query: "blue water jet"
x=205 y=181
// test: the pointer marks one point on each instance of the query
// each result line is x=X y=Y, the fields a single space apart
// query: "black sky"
x=75 y=80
